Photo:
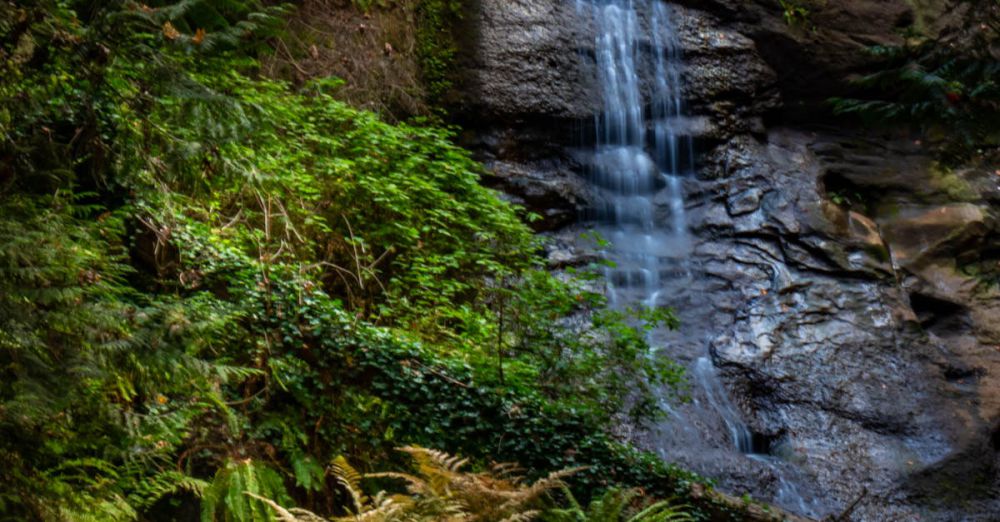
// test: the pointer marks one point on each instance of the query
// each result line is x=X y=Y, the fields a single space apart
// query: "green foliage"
x=846 y=198
x=89 y=364
x=439 y=490
x=230 y=497
x=618 y=505
x=795 y=12
x=946 y=87
x=437 y=45
x=400 y=391
x=212 y=283
x=983 y=268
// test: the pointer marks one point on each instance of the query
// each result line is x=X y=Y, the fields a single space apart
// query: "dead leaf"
x=170 y=32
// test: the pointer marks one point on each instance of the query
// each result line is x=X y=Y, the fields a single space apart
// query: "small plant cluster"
x=945 y=87
x=795 y=12
x=213 y=283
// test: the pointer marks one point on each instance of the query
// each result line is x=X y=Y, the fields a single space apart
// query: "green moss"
x=437 y=45
x=945 y=180
x=878 y=252
x=925 y=11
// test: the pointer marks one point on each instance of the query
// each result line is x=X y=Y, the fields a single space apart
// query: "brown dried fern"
x=440 y=491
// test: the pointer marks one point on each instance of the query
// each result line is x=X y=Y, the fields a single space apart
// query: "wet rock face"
x=530 y=94
x=522 y=63
x=846 y=288
x=814 y=53
x=869 y=383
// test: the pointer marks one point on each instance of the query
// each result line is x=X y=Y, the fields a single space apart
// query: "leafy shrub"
x=212 y=282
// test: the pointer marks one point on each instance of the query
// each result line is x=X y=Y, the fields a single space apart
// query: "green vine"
x=437 y=46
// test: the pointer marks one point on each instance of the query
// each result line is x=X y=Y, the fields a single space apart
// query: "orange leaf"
x=169 y=31
x=199 y=35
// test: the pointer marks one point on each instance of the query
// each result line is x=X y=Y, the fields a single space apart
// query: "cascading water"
x=629 y=168
x=641 y=157
x=787 y=494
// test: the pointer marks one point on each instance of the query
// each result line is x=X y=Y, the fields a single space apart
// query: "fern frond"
x=664 y=511
x=283 y=514
x=164 y=484
x=510 y=470
x=435 y=459
x=526 y=516
x=383 y=511
x=350 y=479
x=612 y=505
x=553 y=480
x=227 y=496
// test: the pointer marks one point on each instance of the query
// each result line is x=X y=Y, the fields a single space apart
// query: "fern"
x=171 y=229
x=235 y=492
x=350 y=480
x=618 y=505
x=208 y=26
x=440 y=491
x=163 y=485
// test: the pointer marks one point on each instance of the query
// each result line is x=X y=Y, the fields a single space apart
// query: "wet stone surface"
x=839 y=293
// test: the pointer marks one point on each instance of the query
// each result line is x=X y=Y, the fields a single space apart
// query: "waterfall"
x=704 y=373
x=642 y=155
x=628 y=167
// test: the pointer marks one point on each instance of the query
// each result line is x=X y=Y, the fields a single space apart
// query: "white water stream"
x=630 y=168
x=641 y=158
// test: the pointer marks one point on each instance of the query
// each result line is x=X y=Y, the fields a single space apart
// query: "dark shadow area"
x=764 y=444
x=943 y=318
x=174 y=507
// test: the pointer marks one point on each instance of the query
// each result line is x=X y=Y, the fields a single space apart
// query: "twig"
x=239 y=214
x=843 y=517
x=247 y=399
x=291 y=58
x=439 y=374
x=354 y=246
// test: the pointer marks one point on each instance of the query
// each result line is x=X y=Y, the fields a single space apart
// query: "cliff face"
x=846 y=286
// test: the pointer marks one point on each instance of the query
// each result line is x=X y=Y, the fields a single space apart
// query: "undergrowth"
x=440 y=490
x=213 y=283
